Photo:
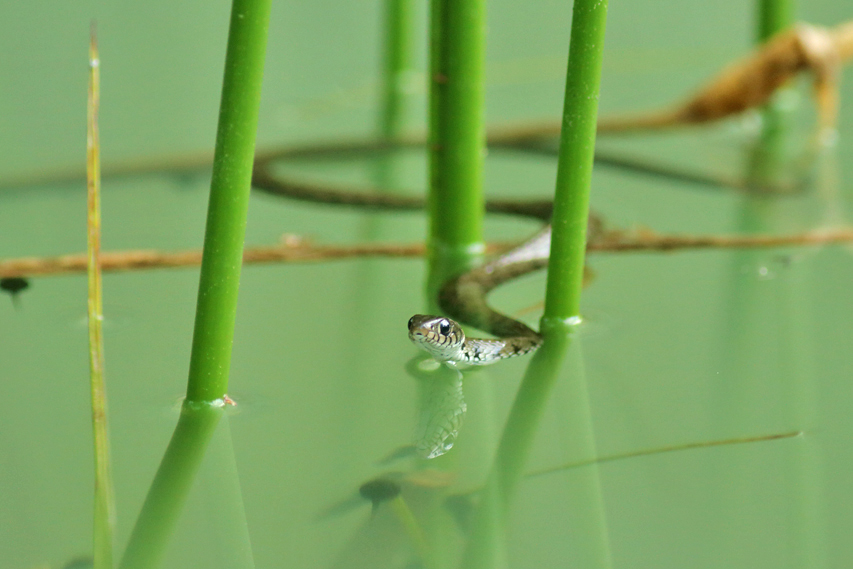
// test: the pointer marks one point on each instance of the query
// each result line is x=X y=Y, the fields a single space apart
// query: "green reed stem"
x=171 y=485
x=574 y=168
x=413 y=529
x=773 y=17
x=396 y=76
x=229 y=200
x=457 y=128
x=768 y=154
x=589 y=539
x=397 y=66
x=526 y=413
x=485 y=548
x=104 y=519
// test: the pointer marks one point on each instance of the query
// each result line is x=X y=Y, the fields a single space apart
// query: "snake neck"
x=479 y=351
x=464 y=299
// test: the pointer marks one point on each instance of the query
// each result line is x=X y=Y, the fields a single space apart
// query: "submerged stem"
x=170 y=488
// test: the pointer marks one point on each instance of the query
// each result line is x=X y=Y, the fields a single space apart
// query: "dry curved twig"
x=750 y=82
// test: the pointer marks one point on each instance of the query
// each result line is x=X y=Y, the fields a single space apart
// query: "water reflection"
x=441 y=406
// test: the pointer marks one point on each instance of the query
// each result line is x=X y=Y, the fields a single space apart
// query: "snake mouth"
x=417 y=331
x=419 y=336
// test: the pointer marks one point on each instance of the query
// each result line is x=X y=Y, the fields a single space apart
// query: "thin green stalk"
x=768 y=154
x=574 y=168
x=457 y=127
x=663 y=450
x=396 y=72
x=526 y=412
x=397 y=66
x=589 y=540
x=171 y=485
x=104 y=521
x=413 y=529
x=229 y=199
x=774 y=16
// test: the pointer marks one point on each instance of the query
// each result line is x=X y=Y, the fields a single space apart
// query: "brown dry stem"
x=301 y=251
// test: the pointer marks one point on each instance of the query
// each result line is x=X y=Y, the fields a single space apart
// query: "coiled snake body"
x=463 y=298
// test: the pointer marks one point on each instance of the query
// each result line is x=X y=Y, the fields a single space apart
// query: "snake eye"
x=411 y=321
x=444 y=328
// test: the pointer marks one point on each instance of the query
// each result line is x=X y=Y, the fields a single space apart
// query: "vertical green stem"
x=413 y=529
x=457 y=129
x=773 y=17
x=229 y=200
x=589 y=539
x=574 y=169
x=768 y=155
x=397 y=62
x=396 y=74
x=104 y=519
x=171 y=486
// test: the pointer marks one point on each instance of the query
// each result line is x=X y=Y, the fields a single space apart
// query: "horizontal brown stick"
x=142 y=259
x=614 y=242
x=299 y=251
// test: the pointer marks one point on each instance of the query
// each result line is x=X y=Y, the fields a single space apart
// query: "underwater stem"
x=168 y=492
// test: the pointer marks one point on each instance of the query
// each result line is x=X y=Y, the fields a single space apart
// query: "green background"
x=678 y=348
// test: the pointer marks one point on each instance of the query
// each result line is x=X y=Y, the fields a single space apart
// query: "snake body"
x=462 y=298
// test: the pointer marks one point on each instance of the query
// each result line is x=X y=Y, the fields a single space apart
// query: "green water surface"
x=677 y=348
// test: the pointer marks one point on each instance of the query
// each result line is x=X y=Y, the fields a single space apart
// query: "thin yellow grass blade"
x=104 y=503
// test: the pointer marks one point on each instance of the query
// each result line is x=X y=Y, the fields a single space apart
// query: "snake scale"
x=463 y=298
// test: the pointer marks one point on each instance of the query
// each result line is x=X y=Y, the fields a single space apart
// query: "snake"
x=463 y=298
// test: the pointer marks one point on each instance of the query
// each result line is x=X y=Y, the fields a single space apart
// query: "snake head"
x=441 y=337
